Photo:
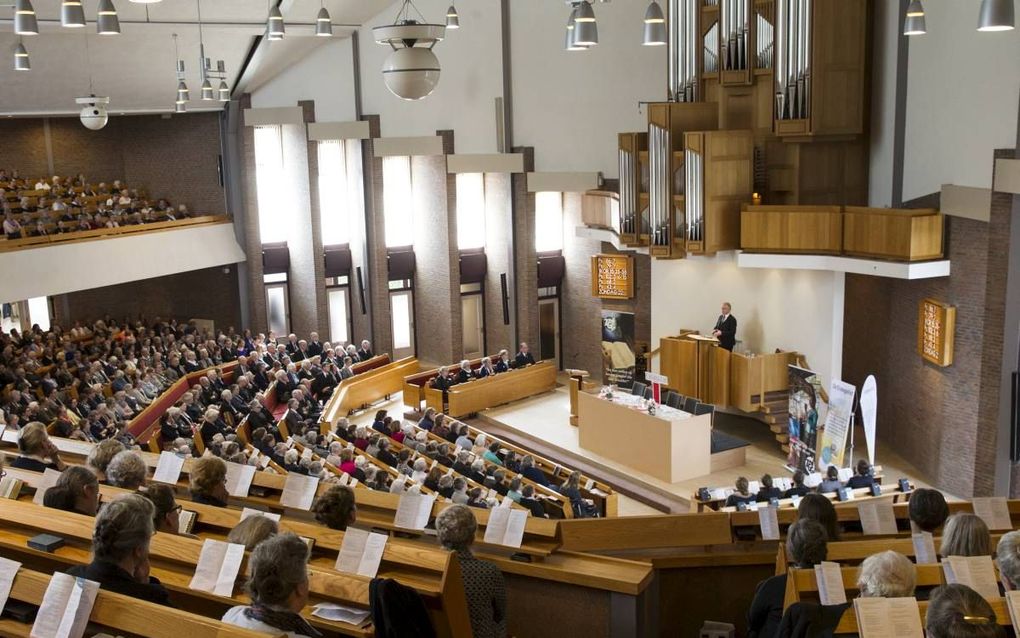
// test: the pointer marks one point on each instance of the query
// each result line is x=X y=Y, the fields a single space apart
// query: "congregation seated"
x=37 y=451
x=887 y=574
x=100 y=456
x=1007 y=559
x=798 y=488
x=335 y=508
x=120 y=550
x=126 y=470
x=927 y=509
x=278 y=585
x=483 y=581
x=863 y=476
x=742 y=493
x=965 y=534
x=77 y=490
x=767 y=491
x=252 y=531
x=207 y=481
x=166 y=515
x=831 y=482
x=523 y=357
x=957 y=611
x=818 y=508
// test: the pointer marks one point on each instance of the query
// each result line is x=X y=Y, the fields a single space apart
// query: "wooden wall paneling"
x=792 y=229
x=910 y=235
x=838 y=66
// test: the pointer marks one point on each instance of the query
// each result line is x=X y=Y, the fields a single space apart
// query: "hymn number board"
x=612 y=276
x=936 y=323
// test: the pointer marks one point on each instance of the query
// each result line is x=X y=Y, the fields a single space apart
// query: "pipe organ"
x=781 y=85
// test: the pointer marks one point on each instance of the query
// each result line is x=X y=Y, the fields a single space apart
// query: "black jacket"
x=766 y=608
x=112 y=578
x=728 y=327
x=523 y=359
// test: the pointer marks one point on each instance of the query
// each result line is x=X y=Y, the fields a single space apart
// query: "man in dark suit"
x=726 y=328
x=365 y=352
x=524 y=357
x=314 y=346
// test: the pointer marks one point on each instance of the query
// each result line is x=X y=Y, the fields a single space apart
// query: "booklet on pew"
x=65 y=608
x=924 y=549
x=186 y=521
x=994 y=511
x=10 y=487
x=299 y=491
x=1013 y=605
x=248 y=512
x=8 y=570
x=830 y=583
x=768 y=519
x=506 y=527
x=239 y=478
x=877 y=517
x=413 y=510
x=48 y=480
x=361 y=552
x=218 y=566
x=845 y=474
x=168 y=469
x=976 y=572
x=341 y=613
x=888 y=618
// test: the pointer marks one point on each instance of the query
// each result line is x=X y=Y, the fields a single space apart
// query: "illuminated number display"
x=936 y=323
x=612 y=276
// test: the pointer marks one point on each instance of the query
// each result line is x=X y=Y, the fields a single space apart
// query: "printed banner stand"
x=838 y=422
x=657 y=381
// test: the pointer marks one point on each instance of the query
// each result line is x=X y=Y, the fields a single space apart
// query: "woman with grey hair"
x=887 y=574
x=1007 y=556
x=483 y=582
x=127 y=470
x=965 y=534
x=278 y=586
x=120 y=550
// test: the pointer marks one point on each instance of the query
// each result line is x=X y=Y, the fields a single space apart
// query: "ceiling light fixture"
x=570 y=44
x=71 y=14
x=275 y=23
x=21 y=61
x=913 y=22
x=655 y=26
x=107 y=22
x=586 y=30
x=183 y=94
x=452 y=18
x=411 y=71
x=323 y=23
x=25 y=22
x=996 y=15
x=224 y=91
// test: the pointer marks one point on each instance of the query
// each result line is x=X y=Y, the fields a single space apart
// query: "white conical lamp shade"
x=654 y=13
x=275 y=26
x=323 y=24
x=71 y=14
x=452 y=18
x=21 y=62
x=914 y=25
x=996 y=15
x=207 y=91
x=586 y=34
x=570 y=42
x=25 y=22
x=224 y=91
x=584 y=13
x=180 y=107
x=915 y=9
x=107 y=22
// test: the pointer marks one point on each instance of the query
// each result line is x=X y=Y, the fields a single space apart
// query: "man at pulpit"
x=726 y=328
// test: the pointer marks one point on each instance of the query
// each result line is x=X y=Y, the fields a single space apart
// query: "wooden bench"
x=415 y=384
x=474 y=396
x=365 y=388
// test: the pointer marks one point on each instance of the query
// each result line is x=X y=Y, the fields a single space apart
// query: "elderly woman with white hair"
x=887 y=574
x=278 y=586
x=126 y=470
x=420 y=471
x=483 y=582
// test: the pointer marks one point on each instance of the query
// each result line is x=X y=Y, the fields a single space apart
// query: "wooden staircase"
x=775 y=413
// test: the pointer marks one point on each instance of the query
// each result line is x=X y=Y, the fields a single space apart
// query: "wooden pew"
x=107 y=233
x=121 y=614
x=718 y=503
x=415 y=384
x=861 y=494
x=474 y=396
x=366 y=388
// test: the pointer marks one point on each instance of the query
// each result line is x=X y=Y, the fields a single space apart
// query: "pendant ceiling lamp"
x=996 y=15
x=224 y=91
x=274 y=25
x=411 y=71
x=21 y=62
x=452 y=18
x=25 y=22
x=323 y=23
x=71 y=14
x=655 y=26
x=570 y=44
x=183 y=94
x=107 y=22
x=913 y=23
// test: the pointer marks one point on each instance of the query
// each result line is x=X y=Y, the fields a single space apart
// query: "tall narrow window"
x=339 y=314
x=333 y=197
x=398 y=202
x=277 y=303
x=39 y=312
x=548 y=221
x=274 y=206
x=470 y=211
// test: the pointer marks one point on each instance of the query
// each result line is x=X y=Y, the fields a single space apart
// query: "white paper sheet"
x=877 y=517
x=218 y=566
x=361 y=552
x=299 y=491
x=768 y=519
x=48 y=480
x=813 y=480
x=830 y=583
x=239 y=478
x=506 y=526
x=888 y=618
x=8 y=570
x=1013 y=605
x=924 y=549
x=66 y=607
x=845 y=474
x=977 y=572
x=340 y=613
x=185 y=521
x=413 y=510
x=249 y=512
x=168 y=469
x=994 y=511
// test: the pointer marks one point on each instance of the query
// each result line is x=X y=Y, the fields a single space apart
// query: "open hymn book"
x=218 y=566
x=66 y=607
x=48 y=480
x=168 y=469
x=829 y=578
x=506 y=526
x=361 y=552
x=413 y=510
x=239 y=478
x=888 y=618
x=976 y=572
x=299 y=491
x=1013 y=605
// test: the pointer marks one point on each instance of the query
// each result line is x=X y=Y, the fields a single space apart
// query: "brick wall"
x=941 y=420
x=210 y=293
x=175 y=157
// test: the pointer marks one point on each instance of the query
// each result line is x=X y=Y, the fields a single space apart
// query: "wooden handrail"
x=107 y=233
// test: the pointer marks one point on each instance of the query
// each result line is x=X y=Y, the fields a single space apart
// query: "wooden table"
x=672 y=446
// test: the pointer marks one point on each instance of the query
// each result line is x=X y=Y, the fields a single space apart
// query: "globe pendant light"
x=71 y=14
x=996 y=15
x=586 y=31
x=323 y=24
x=913 y=23
x=655 y=26
x=107 y=22
x=411 y=71
x=452 y=18
x=275 y=26
x=25 y=22
x=21 y=62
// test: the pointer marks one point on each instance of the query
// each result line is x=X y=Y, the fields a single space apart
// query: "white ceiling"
x=136 y=68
